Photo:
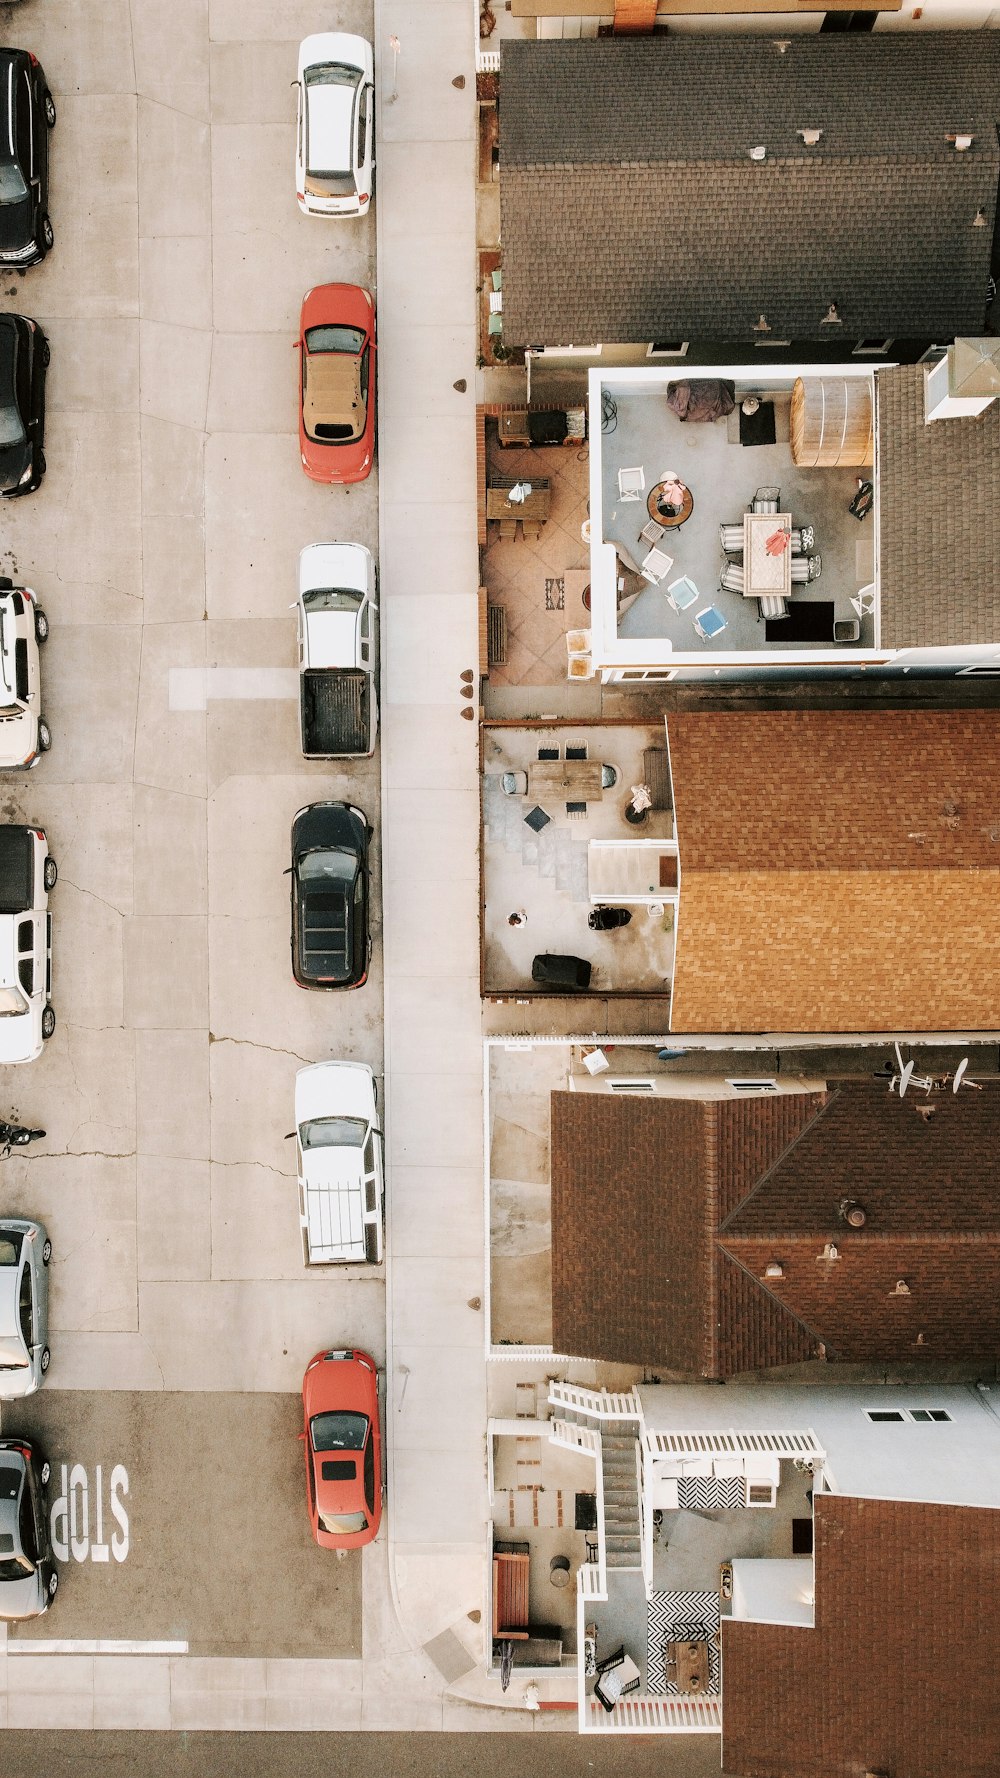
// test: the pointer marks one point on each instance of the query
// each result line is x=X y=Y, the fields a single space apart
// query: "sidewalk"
x=435 y=1371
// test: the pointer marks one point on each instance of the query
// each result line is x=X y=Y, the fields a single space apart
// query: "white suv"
x=334 y=142
x=24 y=733
x=339 y=1146
x=27 y=873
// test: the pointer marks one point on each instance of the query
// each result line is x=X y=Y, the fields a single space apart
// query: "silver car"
x=28 y=1576
x=25 y=1251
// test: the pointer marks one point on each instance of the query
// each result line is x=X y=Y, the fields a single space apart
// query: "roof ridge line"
x=830 y=1097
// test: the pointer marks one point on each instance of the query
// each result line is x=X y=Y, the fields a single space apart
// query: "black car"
x=28 y=1575
x=330 y=940
x=24 y=354
x=27 y=114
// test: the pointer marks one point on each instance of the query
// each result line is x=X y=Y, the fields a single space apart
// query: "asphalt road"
x=127 y=1755
x=182 y=1517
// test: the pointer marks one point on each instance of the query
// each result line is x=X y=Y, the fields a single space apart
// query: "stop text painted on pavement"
x=80 y=1505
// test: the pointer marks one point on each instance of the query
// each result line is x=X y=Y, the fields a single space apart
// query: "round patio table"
x=665 y=516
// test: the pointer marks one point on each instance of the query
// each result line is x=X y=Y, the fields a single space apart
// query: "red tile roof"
x=898 y=1675
x=666 y=1214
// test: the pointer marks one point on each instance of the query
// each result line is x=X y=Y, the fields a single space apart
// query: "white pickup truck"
x=27 y=873
x=24 y=733
x=338 y=707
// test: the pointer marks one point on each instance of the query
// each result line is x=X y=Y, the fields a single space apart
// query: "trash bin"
x=552 y=970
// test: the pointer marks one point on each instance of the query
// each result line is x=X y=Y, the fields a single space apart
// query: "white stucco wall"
x=774 y=1590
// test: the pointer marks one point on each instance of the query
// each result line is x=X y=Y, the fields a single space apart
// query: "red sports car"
x=336 y=346
x=343 y=1445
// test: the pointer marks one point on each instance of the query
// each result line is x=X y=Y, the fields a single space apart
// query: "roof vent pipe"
x=759 y=153
x=853 y=1214
x=810 y=137
x=961 y=143
x=902 y=1288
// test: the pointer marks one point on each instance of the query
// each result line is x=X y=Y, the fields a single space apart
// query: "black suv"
x=330 y=941
x=27 y=114
x=24 y=354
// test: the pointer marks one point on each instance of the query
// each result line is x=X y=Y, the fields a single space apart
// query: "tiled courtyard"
x=528 y=577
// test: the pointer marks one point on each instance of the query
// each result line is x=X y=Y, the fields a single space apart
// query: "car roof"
x=10 y=1331
x=331 y=131
x=333 y=392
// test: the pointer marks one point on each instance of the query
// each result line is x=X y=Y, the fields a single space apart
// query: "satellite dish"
x=905 y=1077
x=959 y=1074
x=899 y=1057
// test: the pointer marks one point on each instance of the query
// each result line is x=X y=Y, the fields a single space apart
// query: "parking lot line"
x=98 y=1647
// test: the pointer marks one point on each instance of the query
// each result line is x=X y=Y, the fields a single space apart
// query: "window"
x=753 y=1086
x=877 y=348
x=979 y=672
x=24 y=1306
x=370 y=1475
x=631 y=1086
x=667 y=349
x=933 y=354
x=924 y=1415
x=885 y=1416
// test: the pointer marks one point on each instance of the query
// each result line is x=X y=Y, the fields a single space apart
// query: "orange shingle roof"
x=839 y=871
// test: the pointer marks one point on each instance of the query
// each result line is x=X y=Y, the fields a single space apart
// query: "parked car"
x=343 y=1447
x=24 y=355
x=334 y=144
x=331 y=944
x=28 y=1574
x=337 y=383
x=27 y=114
x=25 y=1251
x=24 y=733
x=27 y=873
x=338 y=704
x=339 y=1149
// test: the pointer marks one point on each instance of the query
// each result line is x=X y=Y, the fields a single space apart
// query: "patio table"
x=764 y=575
x=569 y=780
x=500 y=506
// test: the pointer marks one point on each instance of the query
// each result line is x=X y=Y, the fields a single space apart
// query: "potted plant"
x=639 y=804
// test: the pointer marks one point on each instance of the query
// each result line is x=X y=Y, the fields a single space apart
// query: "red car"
x=343 y=1446
x=336 y=347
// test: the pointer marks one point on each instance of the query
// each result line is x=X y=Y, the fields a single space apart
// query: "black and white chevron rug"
x=680 y=1617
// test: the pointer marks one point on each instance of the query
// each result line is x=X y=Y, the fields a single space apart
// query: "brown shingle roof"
x=939 y=520
x=899 y=1673
x=666 y=1213
x=630 y=208
x=839 y=872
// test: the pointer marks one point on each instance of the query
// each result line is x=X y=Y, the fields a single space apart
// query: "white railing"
x=487 y=60
x=592 y=1581
x=584 y=1438
x=664 y=1716
x=645 y=1517
x=804 y=1445
x=514 y=1353
x=574 y=1438
x=600 y=1404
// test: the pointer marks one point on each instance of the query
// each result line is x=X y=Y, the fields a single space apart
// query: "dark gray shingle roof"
x=631 y=209
x=939 y=519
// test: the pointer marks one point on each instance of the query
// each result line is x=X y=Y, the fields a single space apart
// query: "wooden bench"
x=510 y=1597
x=656 y=774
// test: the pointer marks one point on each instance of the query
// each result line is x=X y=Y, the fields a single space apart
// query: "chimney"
x=963 y=382
x=854 y=1214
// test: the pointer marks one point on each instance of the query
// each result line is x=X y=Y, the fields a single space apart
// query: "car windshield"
x=337 y=867
x=10 y=1248
x=333 y=1132
x=12 y=187
x=331 y=598
x=335 y=339
x=344 y=1524
x=338 y=1432
x=11 y=426
x=12 y=1002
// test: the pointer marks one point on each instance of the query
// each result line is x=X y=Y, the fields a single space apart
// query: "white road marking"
x=190 y=688
x=69 y=1515
x=84 y=1647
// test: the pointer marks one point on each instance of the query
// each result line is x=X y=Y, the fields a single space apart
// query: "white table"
x=766 y=576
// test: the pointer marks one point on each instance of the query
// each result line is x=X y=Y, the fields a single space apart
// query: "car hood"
x=335 y=565
x=334 y=1089
x=16 y=220
x=22 y=1598
x=19 y=1039
x=14 y=460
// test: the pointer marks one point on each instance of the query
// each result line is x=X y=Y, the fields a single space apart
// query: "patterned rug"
x=680 y=1617
x=698 y=1493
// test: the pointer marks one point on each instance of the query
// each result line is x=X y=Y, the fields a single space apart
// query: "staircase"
x=621 y=1499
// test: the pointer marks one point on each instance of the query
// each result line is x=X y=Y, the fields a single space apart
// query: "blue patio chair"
x=709 y=623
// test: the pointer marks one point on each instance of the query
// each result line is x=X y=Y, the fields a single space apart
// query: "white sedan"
x=339 y=1145
x=335 y=139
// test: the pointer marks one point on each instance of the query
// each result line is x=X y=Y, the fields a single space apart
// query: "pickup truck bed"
x=336 y=713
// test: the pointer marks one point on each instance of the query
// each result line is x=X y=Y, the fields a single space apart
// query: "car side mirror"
x=302 y=1438
x=290 y=1137
x=288 y=872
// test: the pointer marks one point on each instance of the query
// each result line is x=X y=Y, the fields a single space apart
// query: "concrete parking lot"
x=163 y=546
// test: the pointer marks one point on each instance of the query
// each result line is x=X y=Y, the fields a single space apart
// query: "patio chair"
x=803 y=539
x=531 y=527
x=731 y=539
x=806 y=568
x=609 y=777
x=766 y=500
x=652 y=532
x=576 y=750
x=508 y=529
x=682 y=593
x=773 y=606
x=496 y=326
x=497 y=278
x=656 y=566
x=733 y=578
x=631 y=483
x=616 y=1677
x=514 y=783
x=710 y=622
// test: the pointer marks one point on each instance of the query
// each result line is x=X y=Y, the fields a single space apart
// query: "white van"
x=24 y=732
x=339 y=1144
x=27 y=873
